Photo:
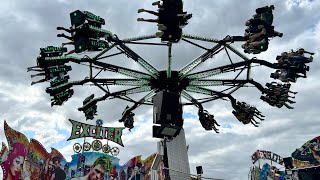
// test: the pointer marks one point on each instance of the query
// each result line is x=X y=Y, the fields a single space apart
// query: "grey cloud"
x=30 y=27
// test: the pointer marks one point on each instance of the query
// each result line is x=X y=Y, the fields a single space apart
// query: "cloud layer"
x=29 y=25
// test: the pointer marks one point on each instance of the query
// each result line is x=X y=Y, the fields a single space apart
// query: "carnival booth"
x=29 y=160
x=304 y=163
x=262 y=170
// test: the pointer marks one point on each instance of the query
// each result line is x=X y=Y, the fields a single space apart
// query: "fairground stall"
x=304 y=163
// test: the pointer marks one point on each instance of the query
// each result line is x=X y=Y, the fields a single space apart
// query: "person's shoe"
x=307 y=68
x=272 y=7
x=156 y=3
x=246 y=51
x=161 y=27
x=140 y=19
x=291 y=79
x=263 y=41
x=159 y=34
x=248 y=22
x=140 y=10
x=310 y=58
x=256 y=16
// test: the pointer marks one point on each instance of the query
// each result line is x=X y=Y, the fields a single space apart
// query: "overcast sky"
x=28 y=25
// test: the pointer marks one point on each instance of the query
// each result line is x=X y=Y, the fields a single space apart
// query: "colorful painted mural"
x=29 y=160
x=267 y=172
x=92 y=165
x=308 y=154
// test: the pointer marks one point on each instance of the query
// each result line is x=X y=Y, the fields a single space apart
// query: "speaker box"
x=288 y=163
x=155 y=132
x=199 y=170
x=167 y=108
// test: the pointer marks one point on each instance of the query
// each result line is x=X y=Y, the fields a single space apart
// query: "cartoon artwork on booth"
x=271 y=172
x=29 y=160
x=26 y=160
x=13 y=156
x=267 y=171
x=308 y=154
x=92 y=165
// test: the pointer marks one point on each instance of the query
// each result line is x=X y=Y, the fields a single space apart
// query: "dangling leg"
x=289 y=107
x=258 y=117
x=148 y=11
x=290 y=101
x=148 y=20
x=35 y=68
x=276 y=33
x=254 y=124
x=255 y=44
x=257 y=35
x=67 y=43
x=157 y=3
x=38 y=70
x=40 y=74
x=70 y=52
x=40 y=81
x=64 y=29
x=65 y=36
x=293 y=92
x=253 y=120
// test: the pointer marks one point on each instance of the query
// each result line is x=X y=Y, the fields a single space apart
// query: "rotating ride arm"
x=51 y=61
x=188 y=36
x=225 y=40
x=237 y=52
x=211 y=52
x=153 y=71
x=210 y=92
x=196 y=62
x=122 y=70
x=226 y=82
x=125 y=82
x=139 y=38
x=243 y=112
x=92 y=103
x=228 y=68
x=207 y=120
x=127 y=115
